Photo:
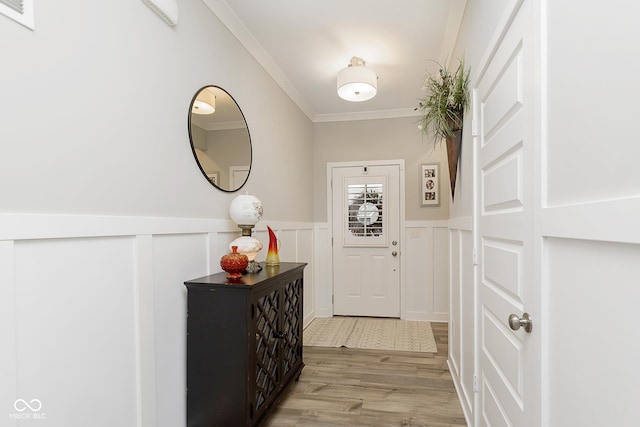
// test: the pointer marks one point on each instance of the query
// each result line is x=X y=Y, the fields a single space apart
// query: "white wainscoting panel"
x=93 y=313
x=426 y=270
x=461 y=322
x=75 y=335
x=596 y=281
x=304 y=251
x=145 y=331
x=176 y=257
x=467 y=319
x=8 y=356
x=590 y=271
x=455 y=316
x=441 y=272
x=323 y=272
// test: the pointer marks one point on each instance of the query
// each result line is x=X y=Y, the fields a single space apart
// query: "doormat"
x=370 y=333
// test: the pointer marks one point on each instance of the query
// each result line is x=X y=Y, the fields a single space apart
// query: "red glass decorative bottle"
x=234 y=263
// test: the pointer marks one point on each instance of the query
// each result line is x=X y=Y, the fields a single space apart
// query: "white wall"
x=104 y=212
x=95 y=102
x=425 y=263
x=591 y=203
x=586 y=135
x=382 y=139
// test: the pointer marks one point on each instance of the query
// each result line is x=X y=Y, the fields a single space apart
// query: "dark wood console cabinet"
x=244 y=344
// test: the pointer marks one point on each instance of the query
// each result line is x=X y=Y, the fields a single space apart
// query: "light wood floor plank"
x=372 y=388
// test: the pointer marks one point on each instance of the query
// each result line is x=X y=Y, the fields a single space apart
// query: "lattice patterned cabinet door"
x=267 y=374
x=292 y=321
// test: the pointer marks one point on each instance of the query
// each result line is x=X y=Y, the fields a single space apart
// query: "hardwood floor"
x=372 y=388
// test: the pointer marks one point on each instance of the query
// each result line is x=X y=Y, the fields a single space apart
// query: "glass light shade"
x=200 y=107
x=245 y=209
x=357 y=83
x=250 y=246
x=205 y=103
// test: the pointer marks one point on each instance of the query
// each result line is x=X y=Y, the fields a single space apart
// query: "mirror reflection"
x=220 y=138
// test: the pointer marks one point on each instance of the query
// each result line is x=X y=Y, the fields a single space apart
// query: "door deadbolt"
x=525 y=322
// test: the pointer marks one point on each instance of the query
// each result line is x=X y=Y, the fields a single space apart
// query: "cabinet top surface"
x=248 y=279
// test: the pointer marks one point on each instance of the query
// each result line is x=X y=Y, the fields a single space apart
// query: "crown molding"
x=233 y=23
x=456 y=13
x=230 y=20
x=221 y=125
x=366 y=115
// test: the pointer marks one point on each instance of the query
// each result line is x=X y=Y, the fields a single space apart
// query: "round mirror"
x=219 y=138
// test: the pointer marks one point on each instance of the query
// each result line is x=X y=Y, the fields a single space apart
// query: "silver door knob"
x=394 y=253
x=525 y=322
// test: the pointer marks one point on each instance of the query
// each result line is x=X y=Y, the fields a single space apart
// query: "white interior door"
x=366 y=231
x=509 y=360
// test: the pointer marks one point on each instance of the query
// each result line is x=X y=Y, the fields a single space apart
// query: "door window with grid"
x=365 y=216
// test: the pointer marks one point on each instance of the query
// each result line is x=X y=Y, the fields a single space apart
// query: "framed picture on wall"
x=214 y=177
x=430 y=184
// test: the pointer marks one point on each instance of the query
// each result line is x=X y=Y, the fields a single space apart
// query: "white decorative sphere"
x=246 y=209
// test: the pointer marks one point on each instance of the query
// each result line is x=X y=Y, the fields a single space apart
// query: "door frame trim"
x=394 y=162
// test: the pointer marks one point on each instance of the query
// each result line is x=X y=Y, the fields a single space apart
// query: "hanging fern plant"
x=442 y=110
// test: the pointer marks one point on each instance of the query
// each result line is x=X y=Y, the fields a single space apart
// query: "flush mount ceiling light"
x=205 y=103
x=357 y=83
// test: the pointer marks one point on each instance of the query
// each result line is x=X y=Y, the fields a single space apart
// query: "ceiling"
x=304 y=44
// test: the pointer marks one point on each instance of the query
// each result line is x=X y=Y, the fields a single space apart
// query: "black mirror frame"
x=193 y=148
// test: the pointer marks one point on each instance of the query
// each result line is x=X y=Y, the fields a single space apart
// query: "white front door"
x=366 y=235
x=505 y=147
